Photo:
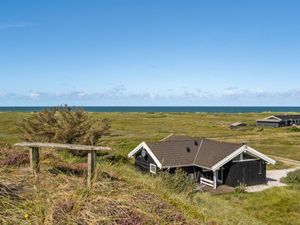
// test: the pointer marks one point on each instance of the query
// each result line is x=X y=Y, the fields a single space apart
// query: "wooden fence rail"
x=35 y=155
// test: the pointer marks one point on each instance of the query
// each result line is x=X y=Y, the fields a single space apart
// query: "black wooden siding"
x=246 y=172
x=269 y=124
x=282 y=123
x=143 y=163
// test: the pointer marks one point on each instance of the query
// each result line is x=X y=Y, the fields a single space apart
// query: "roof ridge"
x=195 y=139
x=170 y=135
x=221 y=142
x=198 y=151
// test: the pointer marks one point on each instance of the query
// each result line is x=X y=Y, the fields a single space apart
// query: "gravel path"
x=273 y=180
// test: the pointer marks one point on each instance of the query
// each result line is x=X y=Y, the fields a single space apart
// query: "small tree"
x=61 y=124
x=41 y=127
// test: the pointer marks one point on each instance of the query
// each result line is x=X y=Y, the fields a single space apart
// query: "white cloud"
x=230 y=91
x=34 y=95
x=82 y=94
x=119 y=95
x=16 y=25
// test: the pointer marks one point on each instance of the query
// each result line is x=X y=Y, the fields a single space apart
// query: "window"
x=143 y=153
x=220 y=175
x=152 y=168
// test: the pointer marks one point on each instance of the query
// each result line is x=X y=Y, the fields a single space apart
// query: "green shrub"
x=294 y=129
x=63 y=125
x=292 y=177
x=178 y=182
x=241 y=188
x=114 y=158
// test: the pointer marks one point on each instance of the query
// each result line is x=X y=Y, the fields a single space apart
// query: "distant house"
x=237 y=125
x=207 y=161
x=279 y=121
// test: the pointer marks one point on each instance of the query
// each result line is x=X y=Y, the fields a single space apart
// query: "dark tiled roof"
x=180 y=151
x=236 y=124
x=173 y=153
x=288 y=117
x=212 y=152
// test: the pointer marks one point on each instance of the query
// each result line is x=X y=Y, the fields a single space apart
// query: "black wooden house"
x=279 y=121
x=207 y=161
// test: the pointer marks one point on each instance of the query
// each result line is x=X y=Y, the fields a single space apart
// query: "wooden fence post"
x=91 y=167
x=35 y=159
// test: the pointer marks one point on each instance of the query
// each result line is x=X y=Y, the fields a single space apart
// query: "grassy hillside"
x=123 y=195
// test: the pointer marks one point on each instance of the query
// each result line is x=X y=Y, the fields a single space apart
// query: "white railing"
x=206 y=182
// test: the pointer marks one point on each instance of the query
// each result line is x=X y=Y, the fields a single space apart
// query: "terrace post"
x=215 y=179
x=35 y=159
x=91 y=167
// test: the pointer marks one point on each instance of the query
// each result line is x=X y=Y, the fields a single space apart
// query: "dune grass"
x=131 y=128
x=123 y=195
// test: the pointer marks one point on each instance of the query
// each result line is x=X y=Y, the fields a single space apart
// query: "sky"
x=150 y=53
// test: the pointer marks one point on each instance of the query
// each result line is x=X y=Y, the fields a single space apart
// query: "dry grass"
x=123 y=195
x=9 y=157
x=62 y=198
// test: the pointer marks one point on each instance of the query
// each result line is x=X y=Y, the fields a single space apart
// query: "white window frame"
x=244 y=148
x=152 y=168
x=144 y=145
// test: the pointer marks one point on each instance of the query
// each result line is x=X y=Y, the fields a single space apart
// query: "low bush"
x=179 y=181
x=241 y=188
x=292 y=177
x=294 y=129
x=114 y=158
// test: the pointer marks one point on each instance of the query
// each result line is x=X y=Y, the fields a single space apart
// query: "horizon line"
x=149 y=106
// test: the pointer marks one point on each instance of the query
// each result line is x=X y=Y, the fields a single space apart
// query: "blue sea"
x=192 y=109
